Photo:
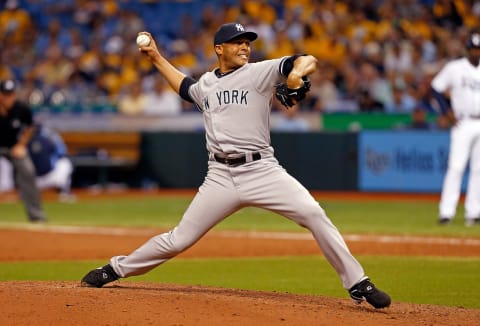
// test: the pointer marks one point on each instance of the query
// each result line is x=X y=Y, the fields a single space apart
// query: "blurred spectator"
x=15 y=22
x=54 y=71
x=324 y=95
x=328 y=48
x=5 y=71
x=181 y=56
x=419 y=22
x=108 y=79
x=291 y=121
x=360 y=28
x=162 y=100
x=398 y=57
x=349 y=85
x=90 y=62
x=374 y=53
x=133 y=102
x=418 y=68
x=387 y=20
x=378 y=86
x=424 y=50
x=294 y=24
x=402 y=101
x=429 y=100
x=266 y=34
x=54 y=8
x=129 y=24
x=446 y=13
x=86 y=11
x=31 y=92
x=79 y=90
x=261 y=12
x=76 y=47
x=419 y=120
x=90 y=45
x=54 y=36
x=368 y=103
x=208 y=17
x=283 y=45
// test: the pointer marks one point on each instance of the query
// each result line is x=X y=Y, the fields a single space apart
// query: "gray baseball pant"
x=29 y=193
x=264 y=184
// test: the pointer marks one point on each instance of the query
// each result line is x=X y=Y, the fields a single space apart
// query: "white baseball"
x=143 y=40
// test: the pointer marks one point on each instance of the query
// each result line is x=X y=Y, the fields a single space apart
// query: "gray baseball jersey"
x=236 y=109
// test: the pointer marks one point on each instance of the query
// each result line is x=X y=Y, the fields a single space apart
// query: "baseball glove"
x=286 y=95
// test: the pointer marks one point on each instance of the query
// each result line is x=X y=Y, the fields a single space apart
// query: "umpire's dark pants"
x=24 y=175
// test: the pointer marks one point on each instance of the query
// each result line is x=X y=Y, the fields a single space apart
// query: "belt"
x=470 y=116
x=236 y=161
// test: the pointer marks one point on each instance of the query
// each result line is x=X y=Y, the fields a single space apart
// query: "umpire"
x=16 y=130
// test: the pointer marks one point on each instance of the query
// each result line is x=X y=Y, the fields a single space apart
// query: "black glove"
x=286 y=95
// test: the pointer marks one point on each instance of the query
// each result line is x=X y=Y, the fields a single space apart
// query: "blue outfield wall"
x=410 y=161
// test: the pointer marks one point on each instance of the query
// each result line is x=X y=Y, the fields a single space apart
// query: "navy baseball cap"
x=7 y=86
x=230 y=31
x=473 y=41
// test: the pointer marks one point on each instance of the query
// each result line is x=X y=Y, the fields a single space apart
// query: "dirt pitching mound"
x=137 y=303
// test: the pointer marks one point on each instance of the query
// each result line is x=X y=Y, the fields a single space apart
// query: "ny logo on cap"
x=239 y=27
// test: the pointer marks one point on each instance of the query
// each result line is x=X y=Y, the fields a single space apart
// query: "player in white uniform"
x=242 y=171
x=460 y=79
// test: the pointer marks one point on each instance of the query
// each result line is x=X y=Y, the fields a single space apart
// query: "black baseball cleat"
x=366 y=291
x=472 y=221
x=444 y=221
x=99 y=277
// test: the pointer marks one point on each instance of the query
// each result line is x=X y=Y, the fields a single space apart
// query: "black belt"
x=236 y=161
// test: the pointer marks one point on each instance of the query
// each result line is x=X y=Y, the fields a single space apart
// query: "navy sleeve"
x=184 y=86
x=287 y=64
x=443 y=101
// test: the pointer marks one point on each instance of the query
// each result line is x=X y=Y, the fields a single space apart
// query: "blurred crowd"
x=374 y=55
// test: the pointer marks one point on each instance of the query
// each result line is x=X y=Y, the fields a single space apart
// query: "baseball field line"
x=119 y=231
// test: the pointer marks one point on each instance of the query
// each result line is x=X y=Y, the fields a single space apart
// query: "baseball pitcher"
x=235 y=99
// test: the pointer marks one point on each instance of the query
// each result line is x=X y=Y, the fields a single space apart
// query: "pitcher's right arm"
x=173 y=76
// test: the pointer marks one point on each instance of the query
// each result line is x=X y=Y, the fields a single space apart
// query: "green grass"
x=433 y=280
x=349 y=216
